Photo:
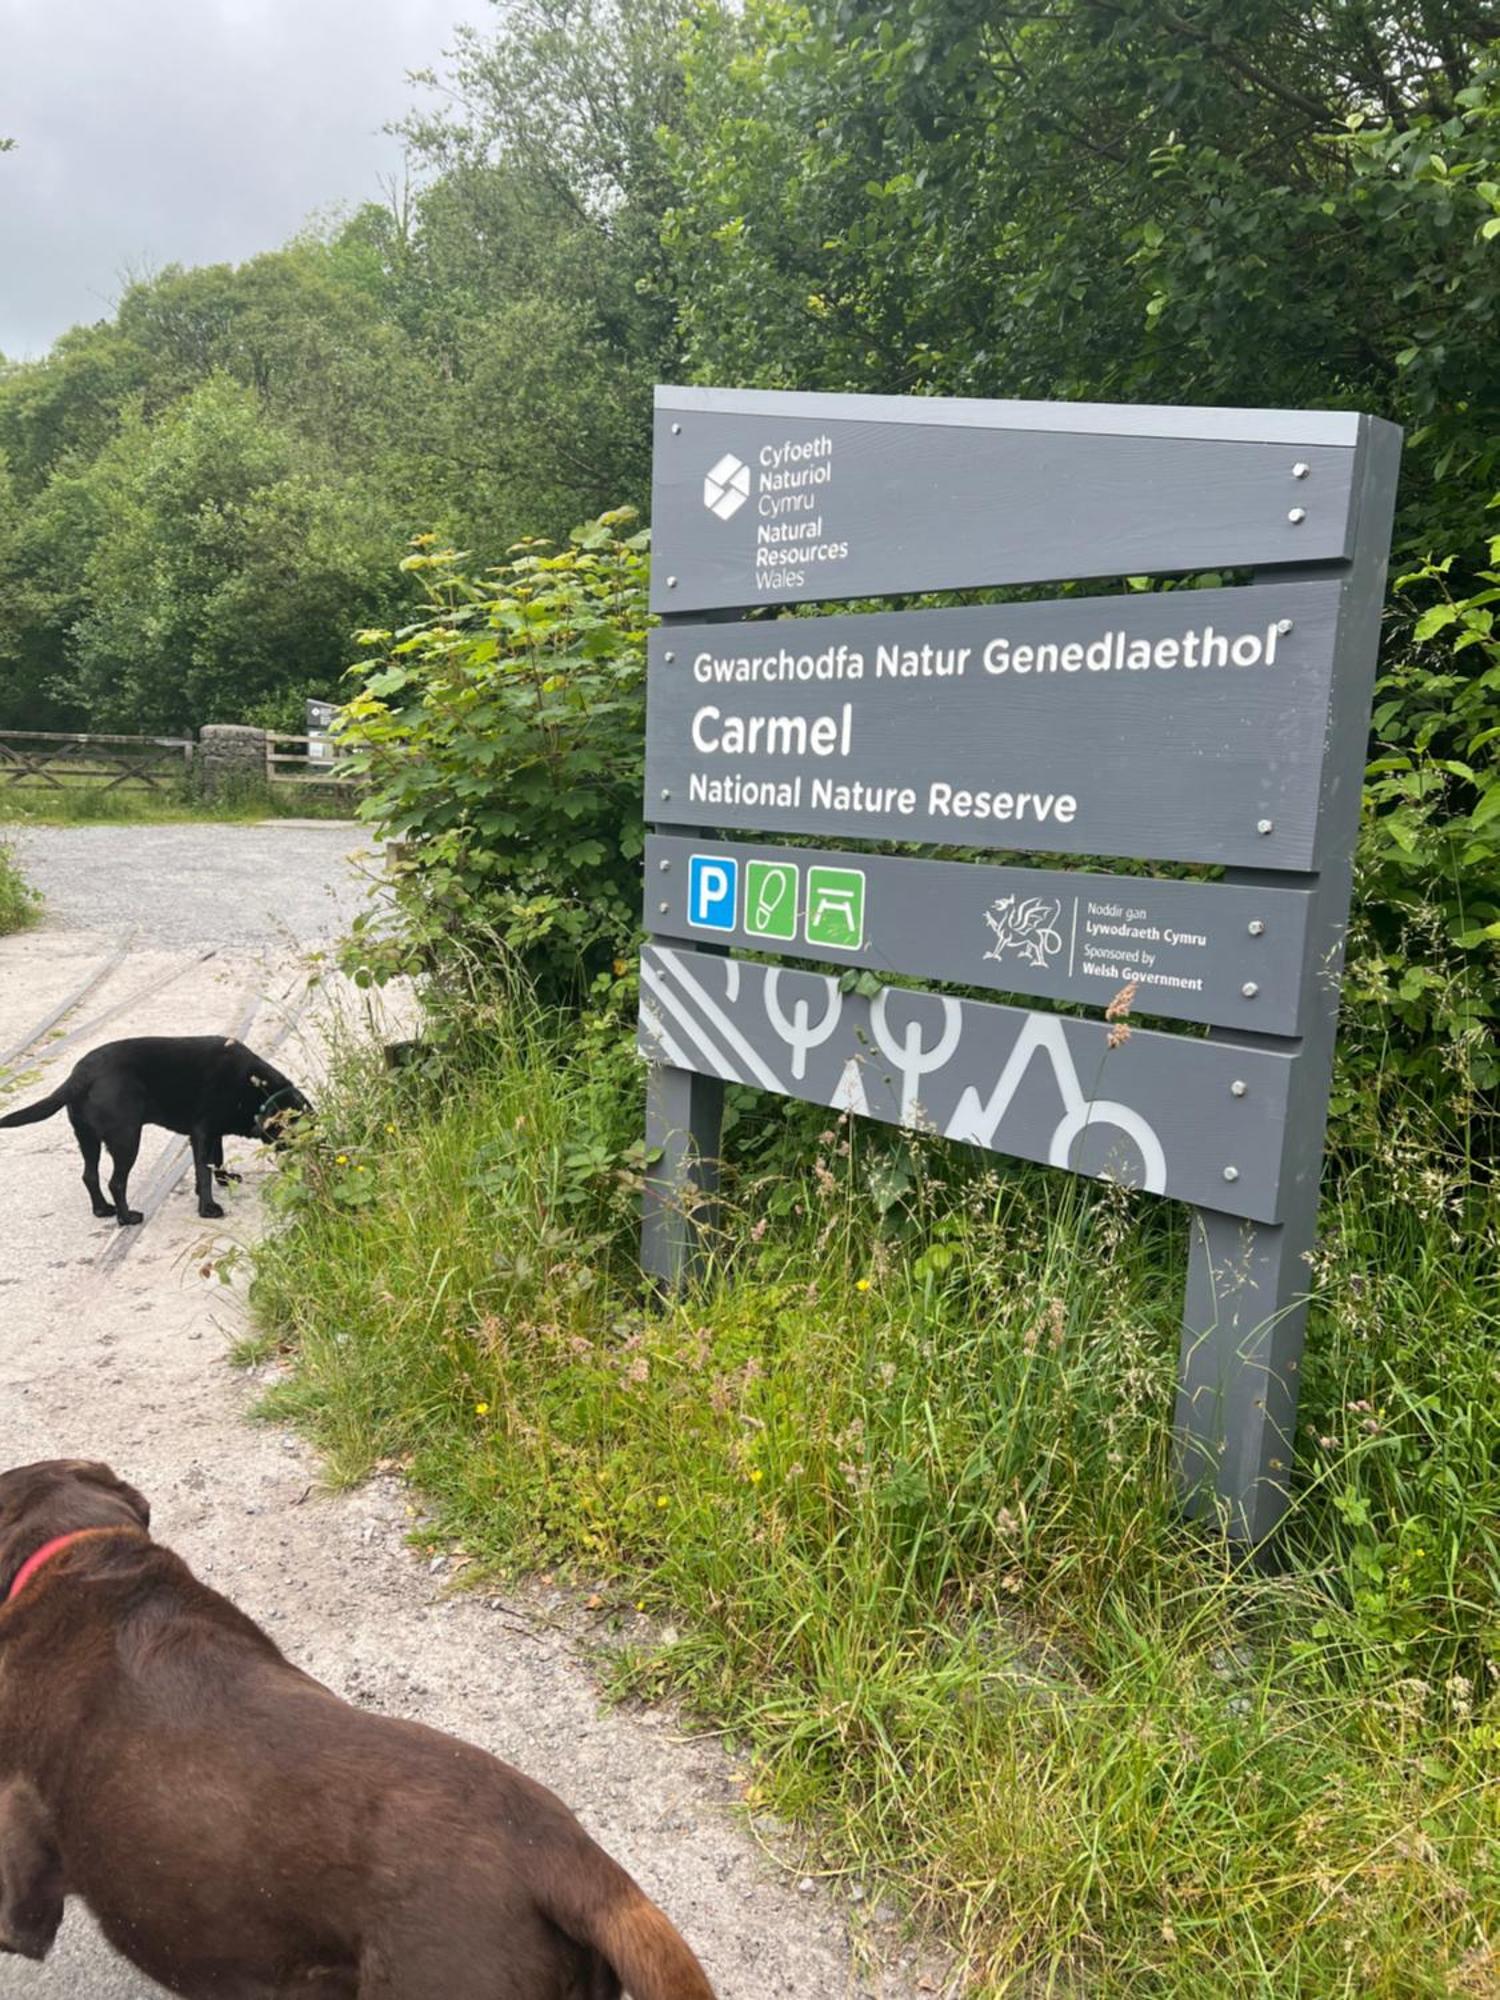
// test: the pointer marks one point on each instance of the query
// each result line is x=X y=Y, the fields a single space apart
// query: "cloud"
x=153 y=132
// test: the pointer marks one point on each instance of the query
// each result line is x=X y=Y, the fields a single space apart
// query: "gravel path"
x=114 y=1345
x=282 y=883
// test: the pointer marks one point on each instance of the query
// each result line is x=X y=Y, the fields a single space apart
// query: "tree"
x=533 y=267
x=1221 y=201
x=227 y=573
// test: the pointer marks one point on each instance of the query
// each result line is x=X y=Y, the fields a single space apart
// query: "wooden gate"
x=305 y=760
x=62 y=760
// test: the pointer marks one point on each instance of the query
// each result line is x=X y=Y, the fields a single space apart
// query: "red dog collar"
x=43 y=1556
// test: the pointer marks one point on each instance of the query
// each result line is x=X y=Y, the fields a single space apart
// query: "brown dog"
x=242 y=1834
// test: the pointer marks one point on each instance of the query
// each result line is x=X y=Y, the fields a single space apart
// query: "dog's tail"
x=45 y=1107
x=596 y=1902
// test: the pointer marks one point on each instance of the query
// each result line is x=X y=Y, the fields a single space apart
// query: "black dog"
x=203 y=1085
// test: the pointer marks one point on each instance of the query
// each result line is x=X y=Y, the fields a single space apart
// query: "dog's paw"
x=31 y=1933
x=211 y=1210
x=30 y=1946
x=104 y=1211
x=129 y=1217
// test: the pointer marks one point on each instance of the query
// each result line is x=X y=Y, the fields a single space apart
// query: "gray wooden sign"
x=765 y=498
x=1222 y=726
x=1193 y=951
x=1177 y=726
x=1163 y=1112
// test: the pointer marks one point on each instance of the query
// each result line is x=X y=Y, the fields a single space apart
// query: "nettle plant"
x=502 y=734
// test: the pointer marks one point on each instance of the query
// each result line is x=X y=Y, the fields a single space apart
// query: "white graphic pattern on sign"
x=726 y=487
x=677 y=1012
x=796 y=1033
x=1025 y=925
x=913 y=1061
x=757 y=1071
x=977 y=1121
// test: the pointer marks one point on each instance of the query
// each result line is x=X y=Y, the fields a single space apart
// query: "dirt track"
x=113 y=1344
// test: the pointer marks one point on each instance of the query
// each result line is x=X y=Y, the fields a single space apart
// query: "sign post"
x=1219 y=727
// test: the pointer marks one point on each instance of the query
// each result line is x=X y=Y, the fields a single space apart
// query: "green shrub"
x=20 y=904
x=1422 y=992
x=503 y=737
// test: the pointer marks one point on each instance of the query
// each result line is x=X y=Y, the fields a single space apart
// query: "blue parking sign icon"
x=713 y=891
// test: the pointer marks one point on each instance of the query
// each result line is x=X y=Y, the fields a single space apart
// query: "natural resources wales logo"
x=726 y=487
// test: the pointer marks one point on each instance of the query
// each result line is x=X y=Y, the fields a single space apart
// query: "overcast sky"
x=154 y=132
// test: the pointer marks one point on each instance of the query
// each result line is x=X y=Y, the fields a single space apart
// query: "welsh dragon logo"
x=1025 y=926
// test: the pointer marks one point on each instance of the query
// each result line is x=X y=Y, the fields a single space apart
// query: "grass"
x=78 y=804
x=20 y=904
x=899 y=1475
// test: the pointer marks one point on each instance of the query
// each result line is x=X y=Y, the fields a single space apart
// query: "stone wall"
x=231 y=758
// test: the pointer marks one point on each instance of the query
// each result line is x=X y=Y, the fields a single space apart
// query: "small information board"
x=321 y=716
x=1033 y=1085
x=1149 y=721
x=1179 y=726
x=1193 y=951
x=765 y=498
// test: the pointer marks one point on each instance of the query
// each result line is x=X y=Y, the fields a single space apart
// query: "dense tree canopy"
x=1221 y=201
x=202 y=498
x=1249 y=201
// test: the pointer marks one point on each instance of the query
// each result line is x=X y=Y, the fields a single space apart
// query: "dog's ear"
x=98 y=1474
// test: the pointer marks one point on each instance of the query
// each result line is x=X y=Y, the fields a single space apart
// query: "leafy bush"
x=1422 y=994
x=19 y=902
x=226 y=566
x=503 y=737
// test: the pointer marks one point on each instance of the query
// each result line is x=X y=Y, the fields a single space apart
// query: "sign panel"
x=1194 y=1119
x=1195 y=951
x=1169 y=726
x=320 y=717
x=1223 y=726
x=763 y=498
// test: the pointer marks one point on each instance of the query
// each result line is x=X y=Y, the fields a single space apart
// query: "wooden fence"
x=305 y=760
x=59 y=760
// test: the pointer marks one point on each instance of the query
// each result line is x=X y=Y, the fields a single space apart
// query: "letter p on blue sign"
x=713 y=891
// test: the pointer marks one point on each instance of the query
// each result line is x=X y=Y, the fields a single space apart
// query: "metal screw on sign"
x=665 y=793
x=669 y=658
x=1255 y=927
x=1299 y=470
x=1238 y=1087
x=671 y=583
x=1283 y=626
x=677 y=432
x=664 y=907
x=1249 y=989
x=1231 y=1173
x=664 y=866
x=1265 y=825
x=1296 y=516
